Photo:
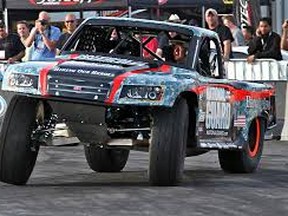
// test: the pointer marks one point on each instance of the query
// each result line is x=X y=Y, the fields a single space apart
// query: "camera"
x=43 y=22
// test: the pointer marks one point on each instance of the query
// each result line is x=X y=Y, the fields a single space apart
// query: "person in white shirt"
x=23 y=32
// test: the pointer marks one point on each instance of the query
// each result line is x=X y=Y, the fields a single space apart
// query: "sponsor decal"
x=217 y=133
x=83 y=71
x=218 y=111
x=110 y=60
x=218 y=115
x=218 y=145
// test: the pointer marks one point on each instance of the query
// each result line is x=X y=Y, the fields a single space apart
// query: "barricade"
x=268 y=71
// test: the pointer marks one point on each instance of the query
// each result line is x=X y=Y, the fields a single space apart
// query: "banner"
x=65 y=4
x=247 y=12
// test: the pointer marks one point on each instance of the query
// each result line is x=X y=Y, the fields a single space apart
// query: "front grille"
x=88 y=89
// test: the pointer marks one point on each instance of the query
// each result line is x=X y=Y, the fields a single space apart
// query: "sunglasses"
x=70 y=21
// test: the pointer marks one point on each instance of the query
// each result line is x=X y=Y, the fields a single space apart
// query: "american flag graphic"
x=240 y=121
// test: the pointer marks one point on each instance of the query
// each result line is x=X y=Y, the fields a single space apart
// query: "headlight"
x=153 y=93
x=23 y=80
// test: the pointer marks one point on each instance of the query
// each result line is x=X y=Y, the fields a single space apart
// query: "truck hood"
x=87 y=77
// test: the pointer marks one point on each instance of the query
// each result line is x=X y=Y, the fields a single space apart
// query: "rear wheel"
x=106 y=160
x=168 y=146
x=246 y=160
x=18 y=153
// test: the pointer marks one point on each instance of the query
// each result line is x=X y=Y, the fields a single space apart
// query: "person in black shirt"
x=11 y=46
x=70 y=25
x=223 y=32
x=266 y=44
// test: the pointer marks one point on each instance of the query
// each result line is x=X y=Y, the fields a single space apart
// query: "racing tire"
x=106 y=160
x=17 y=154
x=168 y=146
x=247 y=159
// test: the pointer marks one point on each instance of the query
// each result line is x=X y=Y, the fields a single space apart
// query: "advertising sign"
x=65 y=4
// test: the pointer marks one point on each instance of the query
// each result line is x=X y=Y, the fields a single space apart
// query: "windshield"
x=147 y=44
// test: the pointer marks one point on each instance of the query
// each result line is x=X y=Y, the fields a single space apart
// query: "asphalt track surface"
x=63 y=184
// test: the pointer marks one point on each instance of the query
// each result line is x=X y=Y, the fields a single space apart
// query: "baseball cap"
x=211 y=10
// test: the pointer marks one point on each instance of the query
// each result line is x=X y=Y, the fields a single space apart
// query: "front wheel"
x=168 y=145
x=17 y=152
x=246 y=160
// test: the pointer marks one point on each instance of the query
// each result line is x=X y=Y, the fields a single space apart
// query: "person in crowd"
x=284 y=37
x=236 y=32
x=248 y=33
x=23 y=32
x=43 y=37
x=224 y=33
x=163 y=39
x=11 y=47
x=194 y=22
x=70 y=26
x=266 y=43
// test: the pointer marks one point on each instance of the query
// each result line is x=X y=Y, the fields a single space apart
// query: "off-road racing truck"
x=118 y=94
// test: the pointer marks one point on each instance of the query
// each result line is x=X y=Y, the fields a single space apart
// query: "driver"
x=179 y=53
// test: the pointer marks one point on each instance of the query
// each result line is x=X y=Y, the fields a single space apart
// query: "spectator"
x=23 y=32
x=44 y=36
x=266 y=44
x=223 y=32
x=11 y=46
x=284 y=37
x=236 y=32
x=163 y=40
x=70 y=25
x=248 y=33
x=194 y=22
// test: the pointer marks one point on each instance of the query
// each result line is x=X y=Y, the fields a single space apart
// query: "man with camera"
x=44 y=36
x=11 y=47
